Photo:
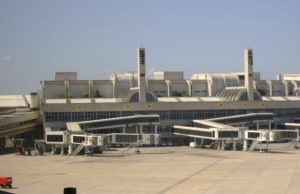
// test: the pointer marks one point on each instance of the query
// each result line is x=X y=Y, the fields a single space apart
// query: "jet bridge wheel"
x=137 y=151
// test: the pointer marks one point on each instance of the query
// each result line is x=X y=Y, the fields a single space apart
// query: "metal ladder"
x=293 y=143
x=78 y=149
x=130 y=146
x=253 y=145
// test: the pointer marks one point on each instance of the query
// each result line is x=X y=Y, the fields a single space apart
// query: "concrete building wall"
x=278 y=88
x=54 y=89
x=158 y=87
x=104 y=87
x=263 y=87
x=78 y=89
x=179 y=88
x=199 y=88
x=123 y=82
x=168 y=75
x=216 y=84
x=295 y=77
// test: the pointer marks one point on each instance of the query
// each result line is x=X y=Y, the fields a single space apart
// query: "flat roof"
x=12 y=101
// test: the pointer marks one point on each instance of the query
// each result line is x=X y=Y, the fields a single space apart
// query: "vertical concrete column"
x=189 y=82
x=155 y=136
x=248 y=62
x=114 y=80
x=168 y=82
x=219 y=145
x=270 y=84
x=286 y=87
x=62 y=150
x=124 y=129
x=245 y=144
x=70 y=150
x=257 y=125
x=53 y=150
x=297 y=139
x=142 y=74
x=223 y=145
x=234 y=145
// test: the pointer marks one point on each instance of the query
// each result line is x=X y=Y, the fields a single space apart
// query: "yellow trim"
x=127 y=106
x=79 y=108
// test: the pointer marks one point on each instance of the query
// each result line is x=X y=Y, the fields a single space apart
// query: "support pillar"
x=53 y=150
x=268 y=135
x=155 y=136
x=223 y=145
x=124 y=130
x=62 y=150
x=219 y=145
x=297 y=139
x=70 y=150
x=245 y=144
x=202 y=143
x=234 y=145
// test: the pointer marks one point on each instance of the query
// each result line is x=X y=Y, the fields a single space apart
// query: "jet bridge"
x=92 y=133
x=217 y=132
x=220 y=130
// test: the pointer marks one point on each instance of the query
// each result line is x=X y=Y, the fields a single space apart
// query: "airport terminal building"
x=176 y=100
x=129 y=106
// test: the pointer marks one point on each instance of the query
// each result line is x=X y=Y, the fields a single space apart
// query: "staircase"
x=253 y=145
x=293 y=143
x=133 y=145
x=78 y=149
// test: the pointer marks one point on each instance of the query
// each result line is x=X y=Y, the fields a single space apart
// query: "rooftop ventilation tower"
x=248 y=61
x=141 y=59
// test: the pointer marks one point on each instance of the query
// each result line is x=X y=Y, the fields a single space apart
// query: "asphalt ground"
x=157 y=170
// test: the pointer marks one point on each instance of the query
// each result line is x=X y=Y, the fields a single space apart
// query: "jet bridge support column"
x=219 y=145
x=62 y=150
x=202 y=143
x=53 y=150
x=155 y=135
x=268 y=135
x=245 y=144
x=234 y=145
x=297 y=139
x=70 y=150
x=223 y=145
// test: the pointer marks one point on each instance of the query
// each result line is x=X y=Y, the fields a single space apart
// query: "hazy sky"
x=95 y=38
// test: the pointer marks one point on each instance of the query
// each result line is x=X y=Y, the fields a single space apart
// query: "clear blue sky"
x=95 y=38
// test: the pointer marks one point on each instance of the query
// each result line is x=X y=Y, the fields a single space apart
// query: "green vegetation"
x=94 y=95
x=262 y=91
x=97 y=94
x=179 y=94
x=65 y=96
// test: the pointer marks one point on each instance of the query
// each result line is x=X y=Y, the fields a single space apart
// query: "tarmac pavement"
x=157 y=170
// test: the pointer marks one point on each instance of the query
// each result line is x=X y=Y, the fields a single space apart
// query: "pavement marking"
x=188 y=177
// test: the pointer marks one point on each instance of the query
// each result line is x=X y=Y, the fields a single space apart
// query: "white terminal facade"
x=176 y=100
